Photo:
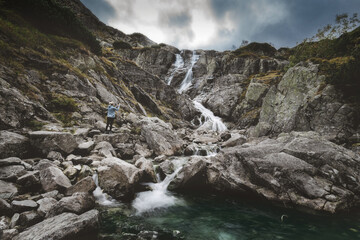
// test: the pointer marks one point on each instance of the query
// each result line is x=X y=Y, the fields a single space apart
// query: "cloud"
x=220 y=24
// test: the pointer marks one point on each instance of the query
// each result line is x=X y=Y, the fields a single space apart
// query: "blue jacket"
x=111 y=111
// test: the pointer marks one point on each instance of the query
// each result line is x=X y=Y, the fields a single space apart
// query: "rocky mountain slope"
x=292 y=117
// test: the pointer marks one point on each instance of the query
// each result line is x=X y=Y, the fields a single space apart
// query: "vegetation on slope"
x=52 y=18
x=338 y=58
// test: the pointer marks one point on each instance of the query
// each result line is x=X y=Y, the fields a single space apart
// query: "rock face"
x=64 y=226
x=303 y=102
x=160 y=137
x=299 y=169
x=46 y=142
x=118 y=178
x=13 y=145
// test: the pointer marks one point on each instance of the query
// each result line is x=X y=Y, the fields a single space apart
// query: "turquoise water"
x=211 y=217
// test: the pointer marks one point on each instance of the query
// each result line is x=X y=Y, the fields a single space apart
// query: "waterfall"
x=210 y=119
x=179 y=63
x=159 y=196
x=102 y=198
x=186 y=83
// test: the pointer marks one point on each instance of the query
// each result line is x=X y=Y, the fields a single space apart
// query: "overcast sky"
x=220 y=24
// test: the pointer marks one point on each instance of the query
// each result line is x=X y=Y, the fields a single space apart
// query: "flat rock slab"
x=45 y=142
x=25 y=205
x=64 y=226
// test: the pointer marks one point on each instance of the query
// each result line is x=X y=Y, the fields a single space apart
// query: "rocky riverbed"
x=47 y=181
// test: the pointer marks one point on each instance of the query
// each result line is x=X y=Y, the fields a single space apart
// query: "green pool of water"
x=211 y=217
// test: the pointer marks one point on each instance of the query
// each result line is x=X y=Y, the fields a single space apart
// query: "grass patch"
x=35 y=125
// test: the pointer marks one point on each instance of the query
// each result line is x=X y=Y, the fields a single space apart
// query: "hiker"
x=111 y=115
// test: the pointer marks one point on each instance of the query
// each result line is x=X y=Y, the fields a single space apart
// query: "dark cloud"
x=220 y=24
x=102 y=9
x=304 y=19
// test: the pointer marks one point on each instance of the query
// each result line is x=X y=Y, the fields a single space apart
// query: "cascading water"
x=179 y=64
x=159 y=196
x=210 y=119
x=102 y=198
x=186 y=83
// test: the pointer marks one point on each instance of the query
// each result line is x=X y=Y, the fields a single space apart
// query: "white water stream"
x=159 y=196
x=102 y=198
x=179 y=64
x=186 y=83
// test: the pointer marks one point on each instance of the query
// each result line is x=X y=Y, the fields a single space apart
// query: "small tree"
x=343 y=24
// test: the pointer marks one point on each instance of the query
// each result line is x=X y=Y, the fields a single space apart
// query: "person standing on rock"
x=111 y=110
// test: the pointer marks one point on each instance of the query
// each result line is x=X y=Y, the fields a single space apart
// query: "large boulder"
x=52 y=178
x=13 y=145
x=46 y=141
x=298 y=169
x=64 y=226
x=160 y=136
x=118 y=178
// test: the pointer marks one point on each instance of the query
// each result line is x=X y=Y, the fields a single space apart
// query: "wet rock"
x=13 y=145
x=147 y=167
x=64 y=226
x=78 y=203
x=46 y=205
x=118 y=178
x=190 y=149
x=25 y=205
x=54 y=179
x=105 y=149
x=160 y=137
x=167 y=167
x=29 y=218
x=46 y=141
x=84 y=185
x=7 y=190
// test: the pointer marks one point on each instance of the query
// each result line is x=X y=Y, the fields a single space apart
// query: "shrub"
x=121 y=45
x=61 y=103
